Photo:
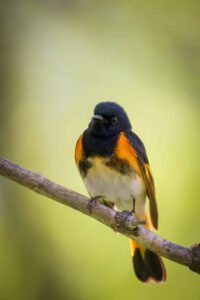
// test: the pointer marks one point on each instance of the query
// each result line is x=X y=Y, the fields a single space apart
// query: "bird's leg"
x=140 y=222
x=93 y=203
x=133 y=210
x=129 y=213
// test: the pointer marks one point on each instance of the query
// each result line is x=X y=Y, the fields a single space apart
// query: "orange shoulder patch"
x=79 y=149
x=125 y=151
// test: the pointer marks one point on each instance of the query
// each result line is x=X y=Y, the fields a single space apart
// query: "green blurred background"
x=58 y=60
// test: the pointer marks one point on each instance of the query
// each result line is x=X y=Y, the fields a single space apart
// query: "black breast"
x=94 y=145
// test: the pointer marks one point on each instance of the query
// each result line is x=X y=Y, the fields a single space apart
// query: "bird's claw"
x=93 y=203
x=130 y=220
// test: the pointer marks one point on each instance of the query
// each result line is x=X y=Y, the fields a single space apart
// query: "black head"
x=109 y=118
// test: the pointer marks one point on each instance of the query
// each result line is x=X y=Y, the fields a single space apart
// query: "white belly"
x=114 y=187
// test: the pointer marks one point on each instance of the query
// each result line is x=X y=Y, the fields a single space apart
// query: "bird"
x=114 y=166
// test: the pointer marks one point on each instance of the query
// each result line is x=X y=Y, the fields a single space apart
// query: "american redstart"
x=113 y=164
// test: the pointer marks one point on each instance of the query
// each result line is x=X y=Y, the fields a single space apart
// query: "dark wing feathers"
x=147 y=175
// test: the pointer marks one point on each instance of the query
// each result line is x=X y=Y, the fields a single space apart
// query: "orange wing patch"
x=79 y=150
x=125 y=151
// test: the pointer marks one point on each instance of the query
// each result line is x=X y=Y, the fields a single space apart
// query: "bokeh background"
x=58 y=59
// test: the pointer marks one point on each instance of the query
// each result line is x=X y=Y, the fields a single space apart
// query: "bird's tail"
x=147 y=265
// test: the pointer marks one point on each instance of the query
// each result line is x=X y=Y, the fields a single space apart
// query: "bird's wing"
x=145 y=171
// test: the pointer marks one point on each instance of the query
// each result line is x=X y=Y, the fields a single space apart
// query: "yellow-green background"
x=58 y=59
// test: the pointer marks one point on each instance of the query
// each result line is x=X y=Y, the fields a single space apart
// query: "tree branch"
x=120 y=222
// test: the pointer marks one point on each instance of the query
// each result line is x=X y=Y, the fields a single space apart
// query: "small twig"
x=126 y=225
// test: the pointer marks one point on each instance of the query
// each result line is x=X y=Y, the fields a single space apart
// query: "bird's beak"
x=98 y=117
x=96 y=125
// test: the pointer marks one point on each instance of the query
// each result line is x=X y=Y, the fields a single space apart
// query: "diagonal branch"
x=120 y=222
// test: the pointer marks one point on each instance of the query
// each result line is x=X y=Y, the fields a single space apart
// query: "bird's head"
x=109 y=119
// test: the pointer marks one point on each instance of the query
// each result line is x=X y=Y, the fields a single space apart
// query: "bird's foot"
x=93 y=203
x=128 y=218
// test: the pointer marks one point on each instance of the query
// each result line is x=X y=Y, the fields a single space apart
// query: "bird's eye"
x=114 y=120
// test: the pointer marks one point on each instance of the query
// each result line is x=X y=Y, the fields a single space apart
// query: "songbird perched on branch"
x=113 y=164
